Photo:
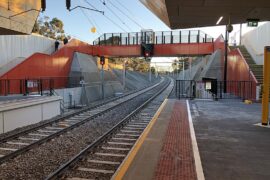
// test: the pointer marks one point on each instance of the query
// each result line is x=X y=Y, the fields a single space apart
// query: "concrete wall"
x=22 y=113
x=134 y=80
x=212 y=68
x=23 y=46
x=256 y=40
x=70 y=95
x=85 y=66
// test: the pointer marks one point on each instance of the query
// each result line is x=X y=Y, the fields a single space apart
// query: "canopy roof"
x=20 y=24
x=178 y=14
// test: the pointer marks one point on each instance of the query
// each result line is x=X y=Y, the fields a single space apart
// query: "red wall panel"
x=58 y=64
x=238 y=70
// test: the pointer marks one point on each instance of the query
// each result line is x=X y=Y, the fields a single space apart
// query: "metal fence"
x=215 y=89
x=37 y=86
x=163 y=37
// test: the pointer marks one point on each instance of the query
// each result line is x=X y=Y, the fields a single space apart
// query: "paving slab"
x=230 y=145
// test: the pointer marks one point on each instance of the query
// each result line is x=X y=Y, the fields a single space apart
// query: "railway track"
x=21 y=142
x=101 y=158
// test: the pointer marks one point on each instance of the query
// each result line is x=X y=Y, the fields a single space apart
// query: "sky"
x=78 y=22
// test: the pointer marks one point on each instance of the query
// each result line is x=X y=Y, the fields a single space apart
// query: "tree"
x=50 y=28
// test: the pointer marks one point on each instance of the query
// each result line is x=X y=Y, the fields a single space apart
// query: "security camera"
x=229 y=28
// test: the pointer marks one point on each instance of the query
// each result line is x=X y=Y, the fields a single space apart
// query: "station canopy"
x=180 y=14
x=19 y=24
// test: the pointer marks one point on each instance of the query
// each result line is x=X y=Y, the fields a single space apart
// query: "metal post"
x=112 y=39
x=162 y=40
x=198 y=37
x=128 y=39
x=225 y=61
x=26 y=87
x=240 y=40
x=150 y=73
x=188 y=36
x=124 y=75
x=190 y=66
x=265 y=92
x=41 y=87
x=183 y=70
x=137 y=39
x=180 y=37
x=102 y=81
x=120 y=42
x=171 y=37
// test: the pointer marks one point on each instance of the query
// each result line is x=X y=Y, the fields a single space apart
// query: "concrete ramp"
x=10 y=65
x=85 y=66
x=213 y=67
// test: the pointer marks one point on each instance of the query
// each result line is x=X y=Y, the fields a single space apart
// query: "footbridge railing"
x=151 y=37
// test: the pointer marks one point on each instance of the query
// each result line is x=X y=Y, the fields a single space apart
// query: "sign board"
x=252 y=22
x=208 y=85
x=32 y=84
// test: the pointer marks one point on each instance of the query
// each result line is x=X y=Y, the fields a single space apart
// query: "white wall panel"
x=49 y=111
x=22 y=117
x=22 y=113
x=256 y=40
x=23 y=46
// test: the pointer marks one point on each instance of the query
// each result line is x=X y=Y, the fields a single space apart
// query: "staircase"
x=255 y=68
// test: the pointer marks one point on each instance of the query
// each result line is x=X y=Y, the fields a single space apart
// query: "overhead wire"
x=111 y=20
x=89 y=20
x=92 y=22
x=128 y=10
x=116 y=15
x=133 y=20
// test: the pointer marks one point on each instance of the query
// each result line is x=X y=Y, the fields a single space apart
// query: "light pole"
x=229 y=29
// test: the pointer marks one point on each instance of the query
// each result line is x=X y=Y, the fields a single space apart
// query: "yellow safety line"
x=127 y=162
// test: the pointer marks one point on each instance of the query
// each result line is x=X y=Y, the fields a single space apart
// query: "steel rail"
x=49 y=137
x=56 y=174
x=13 y=136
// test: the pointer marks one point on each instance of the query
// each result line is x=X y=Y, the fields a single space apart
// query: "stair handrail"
x=247 y=65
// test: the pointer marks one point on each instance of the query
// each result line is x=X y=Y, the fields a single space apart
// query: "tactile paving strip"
x=176 y=161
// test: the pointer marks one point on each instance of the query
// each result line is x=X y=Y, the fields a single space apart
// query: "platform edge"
x=121 y=171
x=196 y=153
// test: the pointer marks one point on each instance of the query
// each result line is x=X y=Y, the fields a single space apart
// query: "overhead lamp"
x=219 y=20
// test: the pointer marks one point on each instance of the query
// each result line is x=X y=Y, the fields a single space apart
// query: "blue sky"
x=77 y=24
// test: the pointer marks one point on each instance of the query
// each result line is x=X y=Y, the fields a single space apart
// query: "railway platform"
x=167 y=149
x=200 y=139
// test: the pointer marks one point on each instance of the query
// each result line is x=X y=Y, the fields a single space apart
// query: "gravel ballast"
x=44 y=159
